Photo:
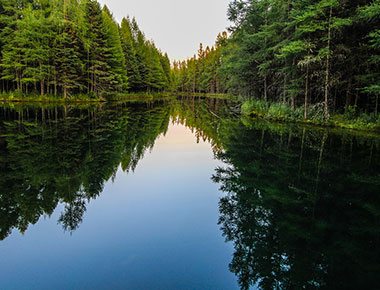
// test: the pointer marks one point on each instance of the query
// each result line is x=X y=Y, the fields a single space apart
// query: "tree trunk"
x=327 y=114
x=284 y=92
x=42 y=87
x=356 y=98
x=293 y=102
x=348 y=94
x=64 y=9
x=334 y=104
x=265 y=89
x=377 y=104
x=55 y=81
x=306 y=89
x=265 y=78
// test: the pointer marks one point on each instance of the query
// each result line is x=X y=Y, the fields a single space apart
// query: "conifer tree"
x=303 y=53
x=65 y=46
x=128 y=46
x=115 y=53
x=68 y=58
x=98 y=68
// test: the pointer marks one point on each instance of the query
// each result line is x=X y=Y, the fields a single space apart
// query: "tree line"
x=65 y=47
x=200 y=73
x=301 y=53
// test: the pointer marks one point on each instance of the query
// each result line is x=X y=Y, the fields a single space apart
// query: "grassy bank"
x=18 y=97
x=352 y=119
x=139 y=96
x=204 y=95
x=92 y=98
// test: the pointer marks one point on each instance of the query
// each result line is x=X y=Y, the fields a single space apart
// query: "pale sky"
x=176 y=26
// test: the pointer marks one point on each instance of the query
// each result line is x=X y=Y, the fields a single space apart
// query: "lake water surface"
x=183 y=193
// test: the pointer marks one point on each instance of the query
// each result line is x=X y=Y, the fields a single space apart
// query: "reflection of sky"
x=153 y=229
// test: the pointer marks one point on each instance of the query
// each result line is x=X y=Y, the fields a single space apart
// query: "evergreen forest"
x=312 y=58
x=72 y=47
x=295 y=60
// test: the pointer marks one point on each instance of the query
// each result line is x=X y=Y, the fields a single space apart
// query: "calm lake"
x=184 y=193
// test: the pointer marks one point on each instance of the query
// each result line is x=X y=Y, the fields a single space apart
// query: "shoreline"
x=80 y=99
x=342 y=124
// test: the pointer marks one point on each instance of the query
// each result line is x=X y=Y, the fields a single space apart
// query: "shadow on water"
x=301 y=204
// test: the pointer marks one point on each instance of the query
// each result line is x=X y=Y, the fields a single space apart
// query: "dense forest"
x=293 y=59
x=200 y=74
x=315 y=55
x=66 y=47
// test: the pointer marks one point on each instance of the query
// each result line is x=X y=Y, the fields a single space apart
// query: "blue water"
x=184 y=193
x=155 y=228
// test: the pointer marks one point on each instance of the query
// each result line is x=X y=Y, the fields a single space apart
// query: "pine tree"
x=128 y=46
x=65 y=46
x=118 y=70
x=68 y=58
x=98 y=68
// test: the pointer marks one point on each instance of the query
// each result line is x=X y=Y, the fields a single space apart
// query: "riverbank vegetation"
x=310 y=60
x=65 y=48
x=351 y=119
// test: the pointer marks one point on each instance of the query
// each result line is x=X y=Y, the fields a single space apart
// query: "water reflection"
x=65 y=155
x=52 y=155
x=302 y=206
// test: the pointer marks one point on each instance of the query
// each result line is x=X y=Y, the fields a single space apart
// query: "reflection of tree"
x=65 y=155
x=73 y=215
x=203 y=116
x=301 y=206
x=55 y=155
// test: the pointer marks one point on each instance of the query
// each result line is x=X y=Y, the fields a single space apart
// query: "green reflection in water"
x=302 y=206
x=65 y=155
x=52 y=155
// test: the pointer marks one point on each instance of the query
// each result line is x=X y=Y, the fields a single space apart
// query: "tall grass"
x=18 y=96
x=283 y=112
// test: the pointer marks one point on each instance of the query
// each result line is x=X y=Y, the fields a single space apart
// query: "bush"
x=92 y=95
x=280 y=110
x=315 y=113
x=18 y=94
x=350 y=113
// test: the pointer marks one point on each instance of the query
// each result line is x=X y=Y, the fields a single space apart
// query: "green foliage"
x=302 y=53
x=351 y=119
x=64 y=155
x=72 y=47
x=201 y=74
x=295 y=195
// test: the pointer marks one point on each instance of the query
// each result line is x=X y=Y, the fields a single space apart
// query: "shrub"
x=18 y=94
x=350 y=113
